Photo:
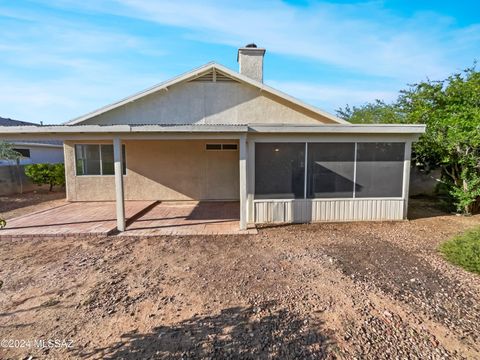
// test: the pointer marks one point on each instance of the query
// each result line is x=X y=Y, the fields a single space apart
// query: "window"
x=379 y=170
x=213 y=147
x=221 y=147
x=279 y=170
x=96 y=159
x=331 y=168
x=229 y=146
x=24 y=152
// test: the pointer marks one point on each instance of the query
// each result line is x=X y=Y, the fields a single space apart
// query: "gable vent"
x=213 y=76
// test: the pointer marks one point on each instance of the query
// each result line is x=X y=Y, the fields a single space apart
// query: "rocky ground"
x=359 y=290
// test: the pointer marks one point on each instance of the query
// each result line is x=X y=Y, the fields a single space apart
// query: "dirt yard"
x=353 y=290
x=16 y=205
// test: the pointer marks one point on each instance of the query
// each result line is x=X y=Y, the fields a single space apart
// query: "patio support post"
x=250 y=181
x=243 y=181
x=406 y=176
x=119 y=194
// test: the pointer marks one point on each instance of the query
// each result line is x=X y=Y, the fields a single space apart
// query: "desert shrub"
x=46 y=174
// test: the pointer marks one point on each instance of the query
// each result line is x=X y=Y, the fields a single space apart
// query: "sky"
x=63 y=58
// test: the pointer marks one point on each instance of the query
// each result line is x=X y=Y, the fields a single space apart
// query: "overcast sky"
x=62 y=58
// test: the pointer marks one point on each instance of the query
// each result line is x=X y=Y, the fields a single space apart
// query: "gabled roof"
x=202 y=71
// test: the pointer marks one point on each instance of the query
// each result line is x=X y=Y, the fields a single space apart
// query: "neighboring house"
x=215 y=134
x=33 y=152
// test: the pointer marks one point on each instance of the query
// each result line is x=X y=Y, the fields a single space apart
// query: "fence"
x=13 y=180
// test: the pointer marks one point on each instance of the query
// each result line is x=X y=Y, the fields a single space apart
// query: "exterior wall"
x=162 y=170
x=39 y=155
x=314 y=210
x=208 y=103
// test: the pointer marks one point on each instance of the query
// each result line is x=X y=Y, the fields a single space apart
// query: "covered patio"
x=143 y=218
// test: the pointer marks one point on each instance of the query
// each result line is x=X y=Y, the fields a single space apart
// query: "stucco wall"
x=209 y=103
x=162 y=170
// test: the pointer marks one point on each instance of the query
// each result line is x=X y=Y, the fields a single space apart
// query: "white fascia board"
x=189 y=128
x=340 y=128
x=196 y=73
x=118 y=129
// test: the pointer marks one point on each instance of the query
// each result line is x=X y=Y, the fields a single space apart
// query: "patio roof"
x=66 y=131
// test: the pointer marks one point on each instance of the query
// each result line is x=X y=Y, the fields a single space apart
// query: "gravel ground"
x=321 y=291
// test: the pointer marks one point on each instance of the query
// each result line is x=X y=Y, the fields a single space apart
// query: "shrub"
x=3 y=223
x=46 y=174
x=464 y=250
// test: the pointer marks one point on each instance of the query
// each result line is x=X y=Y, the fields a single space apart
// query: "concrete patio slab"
x=189 y=218
x=79 y=218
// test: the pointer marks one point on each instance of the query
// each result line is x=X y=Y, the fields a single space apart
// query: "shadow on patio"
x=189 y=218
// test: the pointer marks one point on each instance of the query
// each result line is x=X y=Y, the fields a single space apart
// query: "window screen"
x=96 y=159
x=379 y=169
x=279 y=170
x=330 y=171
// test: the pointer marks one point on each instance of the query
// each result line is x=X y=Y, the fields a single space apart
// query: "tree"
x=451 y=110
x=46 y=174
x=372 y=113
x=7 y=152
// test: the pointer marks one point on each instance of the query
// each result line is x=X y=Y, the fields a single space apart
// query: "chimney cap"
x=251 y=45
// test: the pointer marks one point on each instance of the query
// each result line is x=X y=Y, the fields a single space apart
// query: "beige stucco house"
x=214 y=134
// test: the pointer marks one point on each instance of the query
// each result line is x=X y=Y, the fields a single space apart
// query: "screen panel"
x=379 y=170
x=331 y=168
x=279 y=170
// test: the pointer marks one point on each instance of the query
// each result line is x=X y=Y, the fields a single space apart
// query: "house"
x=214 y=134
x=33 y=152
x=12 y=177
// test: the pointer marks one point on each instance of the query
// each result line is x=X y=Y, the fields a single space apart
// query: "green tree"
x=372 y=113
x=46 y=174
x=451 y=110
x=7 y=152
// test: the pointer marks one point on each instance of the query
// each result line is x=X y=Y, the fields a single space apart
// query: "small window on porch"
x=219 y=147
x=96 y=159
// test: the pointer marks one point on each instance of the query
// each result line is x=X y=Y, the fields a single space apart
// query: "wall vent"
x=213 y=76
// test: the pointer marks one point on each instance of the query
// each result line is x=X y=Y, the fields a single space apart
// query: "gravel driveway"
x=358 y=290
